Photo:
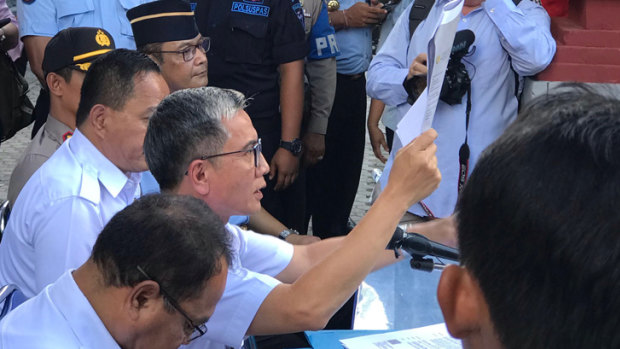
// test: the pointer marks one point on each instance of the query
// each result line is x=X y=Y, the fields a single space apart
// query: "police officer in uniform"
x=67 y=58
x=320 y=73
x=40 y=20
x=258 y=48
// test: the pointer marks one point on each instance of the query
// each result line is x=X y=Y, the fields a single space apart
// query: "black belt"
x=351 y=77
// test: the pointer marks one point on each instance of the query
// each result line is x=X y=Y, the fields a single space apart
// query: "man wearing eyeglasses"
x=156 y=272
x=167 y=32
x=200 y=142
x=180 y=53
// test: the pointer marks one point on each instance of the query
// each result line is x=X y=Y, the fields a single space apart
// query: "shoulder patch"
x=299 y=11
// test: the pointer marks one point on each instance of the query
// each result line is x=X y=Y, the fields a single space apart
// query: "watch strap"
x=286 y=232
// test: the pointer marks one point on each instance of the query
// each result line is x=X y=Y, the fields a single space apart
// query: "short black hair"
x=539 y=227
x=110 y=80
x=177 y=239
x=186 y=125
x=66 y=73
x=153 y=49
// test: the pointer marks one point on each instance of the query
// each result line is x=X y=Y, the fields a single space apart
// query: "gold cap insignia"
x=102 y=39
x=84 y=66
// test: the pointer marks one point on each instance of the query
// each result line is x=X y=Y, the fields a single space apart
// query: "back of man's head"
x=176 y=239
x=539 y=227
x=110 y=80
x=188 y=125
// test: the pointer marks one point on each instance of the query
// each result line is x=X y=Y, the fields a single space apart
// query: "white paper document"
x=439 y=49
x=429 y=337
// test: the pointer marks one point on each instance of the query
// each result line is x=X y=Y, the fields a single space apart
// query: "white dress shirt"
x=60 y=212
x=58 y=317
x=257 y=260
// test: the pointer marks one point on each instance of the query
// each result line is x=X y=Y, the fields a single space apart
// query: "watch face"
x=294 y=146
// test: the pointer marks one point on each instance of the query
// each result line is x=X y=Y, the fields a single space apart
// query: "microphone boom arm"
x=419 y=246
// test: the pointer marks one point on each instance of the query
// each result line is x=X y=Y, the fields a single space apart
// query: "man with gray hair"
x=200 y=142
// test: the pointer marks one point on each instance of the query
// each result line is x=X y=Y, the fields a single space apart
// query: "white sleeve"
x=263 y=254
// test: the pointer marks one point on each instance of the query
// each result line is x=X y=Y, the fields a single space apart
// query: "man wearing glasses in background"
x=156 y=272
x=167 y=32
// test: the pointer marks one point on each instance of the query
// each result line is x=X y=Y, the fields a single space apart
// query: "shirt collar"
x=79 y=313
x=92 y=160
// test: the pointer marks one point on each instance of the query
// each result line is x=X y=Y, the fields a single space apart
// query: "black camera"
x=389 y=5
x=456 y=82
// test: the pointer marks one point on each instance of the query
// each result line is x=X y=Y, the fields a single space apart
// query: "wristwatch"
x=286 y=232
x=295 y=146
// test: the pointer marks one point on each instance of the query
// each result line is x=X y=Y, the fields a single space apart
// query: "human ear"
x=97 y=117
x=54 y=84
x=462 y=302
x=199 y=174
x=143 y=297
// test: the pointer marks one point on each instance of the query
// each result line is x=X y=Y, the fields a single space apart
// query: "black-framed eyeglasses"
x=256 y=149
x=198 y=330
x=190 y=51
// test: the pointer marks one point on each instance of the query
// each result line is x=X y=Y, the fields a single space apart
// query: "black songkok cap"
x=162 y=21
x=76 y=47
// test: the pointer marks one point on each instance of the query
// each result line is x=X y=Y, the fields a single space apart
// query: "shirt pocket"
x=124 y=22
x=248 y=41
x=74 y=13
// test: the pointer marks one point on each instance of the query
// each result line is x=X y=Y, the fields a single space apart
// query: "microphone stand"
x=418 y=262
x=417 y=253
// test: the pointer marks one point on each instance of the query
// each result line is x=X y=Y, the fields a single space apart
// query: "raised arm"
x=525 y=33
x=325 y=287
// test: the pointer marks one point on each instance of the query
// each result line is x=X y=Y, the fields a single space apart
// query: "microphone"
x=462 y=41
x=419 y=246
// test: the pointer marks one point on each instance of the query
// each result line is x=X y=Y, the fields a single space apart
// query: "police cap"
x=76 y=47
x=162 y=21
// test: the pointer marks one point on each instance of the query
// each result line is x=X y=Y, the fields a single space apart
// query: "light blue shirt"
x=355 y=46
x=48 y=17
x=390 y=117
x=504 y=33
x=58 y=317
x=60 y=212
x=257 y=259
